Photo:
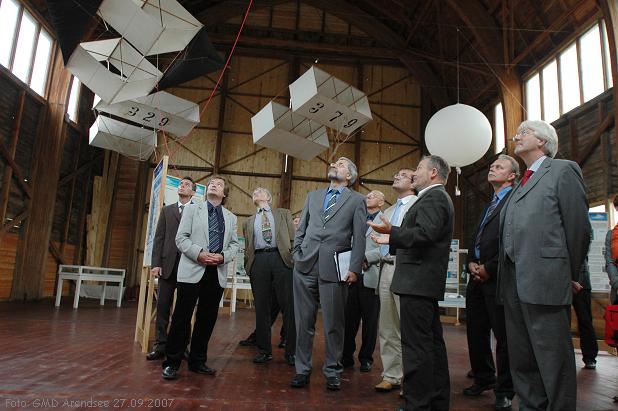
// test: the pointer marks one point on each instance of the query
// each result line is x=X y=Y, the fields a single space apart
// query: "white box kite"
x=132 y=76
x=331 y=102
x=131 y=141
x=161 y=111
x=276 y=126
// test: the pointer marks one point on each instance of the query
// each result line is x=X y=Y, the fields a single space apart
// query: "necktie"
x=331 y=203
x=526 y=177
x=394 y=220
x=213 y=231
x=182 y=207
x=490 y=209
x=267 y=232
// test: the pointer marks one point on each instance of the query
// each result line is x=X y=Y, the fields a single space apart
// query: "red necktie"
x=526 y=177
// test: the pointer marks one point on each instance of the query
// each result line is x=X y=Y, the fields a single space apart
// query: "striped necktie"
x=331 y=203
x=490 y=209
x=214 y=233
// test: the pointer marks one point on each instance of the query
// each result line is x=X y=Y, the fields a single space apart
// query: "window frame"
x=572 y=40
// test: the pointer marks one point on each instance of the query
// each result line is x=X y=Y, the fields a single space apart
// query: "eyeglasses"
x=399 y=175
x=523 y=132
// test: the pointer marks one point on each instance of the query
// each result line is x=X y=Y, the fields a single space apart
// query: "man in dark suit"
x=544 y=238
x=363 y=301
x=268 y=260
x=330 y=219
x=422 y=245
x=165 y=258
x=482 y=313
x=582 y=304
x=208 y=241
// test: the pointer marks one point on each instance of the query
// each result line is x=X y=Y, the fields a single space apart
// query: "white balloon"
x=460 y=134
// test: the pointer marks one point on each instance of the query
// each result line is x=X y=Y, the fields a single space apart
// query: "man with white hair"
x=268 y=260
x=544 y=237
x=363 y=303
x=330 y=219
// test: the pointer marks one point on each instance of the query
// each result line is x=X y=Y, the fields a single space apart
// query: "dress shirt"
x=221 y=231
x=329 y=193
x=500 y=195
x=258 y=240
x=424 y=190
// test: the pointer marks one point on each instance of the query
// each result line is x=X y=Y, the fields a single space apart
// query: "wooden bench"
x=80 y=273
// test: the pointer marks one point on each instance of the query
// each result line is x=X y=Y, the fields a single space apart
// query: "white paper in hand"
x=342 y=261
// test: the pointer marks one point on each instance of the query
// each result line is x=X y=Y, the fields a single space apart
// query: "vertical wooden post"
x=8 y=170
x=512 y=97
x=32 y=249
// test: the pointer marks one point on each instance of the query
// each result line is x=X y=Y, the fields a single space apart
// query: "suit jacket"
x=164 y=250
x=284 y=236
x=372 y=255
x=422 y=245
x=192 y=238
x=610 y=266
x=545 y=231
x=317 y=240
x=488 y=255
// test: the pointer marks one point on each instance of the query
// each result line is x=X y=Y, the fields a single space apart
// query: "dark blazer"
x=422 y=245
x=284 y=236
x=489 y=251
x=317 y=240
x=545 y=231
x=164 y=250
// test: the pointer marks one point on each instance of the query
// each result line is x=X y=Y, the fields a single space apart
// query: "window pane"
x=569 y=79
x=41 y=63
x=73 y=99
x=8 y=20
x=533 y=98
x=23 y=51
x=551 y=107
x=608 y=62
x=499 y=128
x=592 y=63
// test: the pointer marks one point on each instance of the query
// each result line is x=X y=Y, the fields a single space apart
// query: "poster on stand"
x=596 y=259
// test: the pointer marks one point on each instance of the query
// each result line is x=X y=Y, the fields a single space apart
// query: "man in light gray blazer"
x=544 y=238
x=208 y=242
x=363 y=303
x=333 y=220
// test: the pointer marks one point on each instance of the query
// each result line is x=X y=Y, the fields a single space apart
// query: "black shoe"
x=333 y=383
x=347 y=363
x=290 y=359
x=263 y=358
x=300 y=381
x=248 y=342
x=202 y=369
x=475 y=389
x=503 y=403
x=470 y=374
x=170 y=373
x=281 y=344
x=155 y=355
x=590 y=364
x=366 y=366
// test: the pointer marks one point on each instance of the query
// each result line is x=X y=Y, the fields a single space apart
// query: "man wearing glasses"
x=544 y=237
x=389 y=330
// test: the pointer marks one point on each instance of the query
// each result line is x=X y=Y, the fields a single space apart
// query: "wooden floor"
x=86 y=359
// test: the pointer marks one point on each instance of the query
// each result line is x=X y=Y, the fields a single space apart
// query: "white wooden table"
x=80 y=273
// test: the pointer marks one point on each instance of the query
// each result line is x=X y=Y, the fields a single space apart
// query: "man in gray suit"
x=208 y=241
x=363 y=302
x=268 y=260
x=165 y=259
x=330 y=219
x=544 y=236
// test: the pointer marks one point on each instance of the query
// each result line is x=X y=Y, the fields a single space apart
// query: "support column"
x=221 y=123
x=512 y=102
x=34 y=243
x=285 y=188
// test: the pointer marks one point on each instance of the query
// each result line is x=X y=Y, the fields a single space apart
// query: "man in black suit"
x=422 y=245
x=165 y=258
x=482 y=313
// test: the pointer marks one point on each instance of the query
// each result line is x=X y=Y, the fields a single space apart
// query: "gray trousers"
x=540 y=350
x=310 y=291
